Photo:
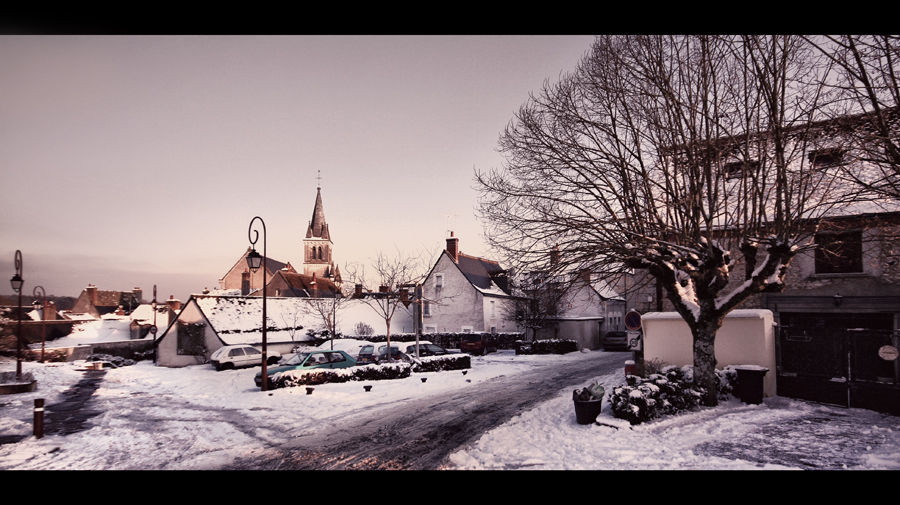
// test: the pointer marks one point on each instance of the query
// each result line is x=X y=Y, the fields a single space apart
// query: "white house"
x=465 y=293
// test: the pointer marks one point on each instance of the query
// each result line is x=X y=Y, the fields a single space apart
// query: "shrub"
x=357 y=373
x=666 y=393
x=441 y=363
x=549 y=346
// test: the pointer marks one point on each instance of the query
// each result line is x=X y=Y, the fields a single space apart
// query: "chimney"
x=138 y=294
x=173 y=304
x=585 y=275
x=245 y=283
x=49 y=312
x=554 y=256
x=453 y=247
x=404 y=297
x=172 y=307
x=314 y=287
x=92 y=293
x=120 y=311
x=382 y=289
x=357 y=291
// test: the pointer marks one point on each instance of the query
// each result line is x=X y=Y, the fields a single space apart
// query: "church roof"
x=318 y=228
x=301 y=284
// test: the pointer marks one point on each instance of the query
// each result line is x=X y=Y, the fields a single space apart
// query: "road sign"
x=633 y=320
x=635 y=342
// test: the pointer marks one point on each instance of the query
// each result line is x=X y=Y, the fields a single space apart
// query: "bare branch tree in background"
x=328 y=308
x=867 y=84
x=392 y=277
x=679 y=155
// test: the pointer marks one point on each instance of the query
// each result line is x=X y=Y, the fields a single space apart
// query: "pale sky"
x=129 y=161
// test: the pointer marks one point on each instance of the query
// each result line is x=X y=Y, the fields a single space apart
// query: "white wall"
x=747 y=337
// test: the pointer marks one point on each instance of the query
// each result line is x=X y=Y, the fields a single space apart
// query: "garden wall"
x=747 y=337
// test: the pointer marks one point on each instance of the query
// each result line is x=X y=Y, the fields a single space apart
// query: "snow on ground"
x=212 y=417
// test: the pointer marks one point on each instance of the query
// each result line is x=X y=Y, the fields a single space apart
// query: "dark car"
x=366 y=355
x=396 y=355
x=478 y=343
x=426 y=349
x=615 y=341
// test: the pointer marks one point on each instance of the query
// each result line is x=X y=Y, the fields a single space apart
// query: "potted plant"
x=588 y=402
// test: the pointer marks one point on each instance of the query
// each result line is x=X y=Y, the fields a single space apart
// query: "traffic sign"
x=633 y=320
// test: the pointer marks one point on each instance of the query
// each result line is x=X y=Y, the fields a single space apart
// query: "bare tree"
x=867 y=89
x=328 y=308
x=538 y=296
x=679 y=155
x=393 y=277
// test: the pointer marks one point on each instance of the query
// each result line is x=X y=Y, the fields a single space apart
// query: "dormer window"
x=824 y=158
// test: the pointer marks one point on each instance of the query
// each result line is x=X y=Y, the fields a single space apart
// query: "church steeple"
x=317 y=245
x=317 y=226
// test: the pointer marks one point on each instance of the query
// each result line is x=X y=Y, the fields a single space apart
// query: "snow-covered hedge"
x=548 y=346
x=384 y=371
x=441 y=363
x=669 y=392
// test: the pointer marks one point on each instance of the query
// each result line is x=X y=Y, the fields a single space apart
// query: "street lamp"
x=153 y=305
x=41 y=305
x=254 y=261
x=17 y=283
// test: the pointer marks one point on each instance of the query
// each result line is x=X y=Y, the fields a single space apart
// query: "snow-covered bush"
x=548 y=346
x=666 y=393
x=441 y=363
x=386 y=371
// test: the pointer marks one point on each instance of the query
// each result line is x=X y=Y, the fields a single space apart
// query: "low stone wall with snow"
x=747 y=337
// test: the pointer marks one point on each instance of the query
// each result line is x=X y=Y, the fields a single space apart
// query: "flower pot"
x=424 y=379
x=586 y=412
x=309 y=391
x=367 y=388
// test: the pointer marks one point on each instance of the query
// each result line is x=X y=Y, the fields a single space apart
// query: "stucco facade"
x=462 y=294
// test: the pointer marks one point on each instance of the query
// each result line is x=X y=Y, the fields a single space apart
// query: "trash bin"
x=630 y=368
x=750 y=383
x=586 y=412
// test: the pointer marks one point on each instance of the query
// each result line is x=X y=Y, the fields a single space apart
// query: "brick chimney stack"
x=453 y=247
x=245 y=283
x=138 y=294
x=92 y=293
x=357 y=291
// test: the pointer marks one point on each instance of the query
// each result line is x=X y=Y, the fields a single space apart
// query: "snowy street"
x=196 y=418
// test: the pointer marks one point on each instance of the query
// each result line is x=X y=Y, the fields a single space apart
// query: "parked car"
x=309 y=361
x=237 y=356
x=615 y=341
x=396 y=355
x=366 y=355
x=426 y=349
x=478 y=343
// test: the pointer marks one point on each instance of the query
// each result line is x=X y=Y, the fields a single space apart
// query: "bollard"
x=39 y=418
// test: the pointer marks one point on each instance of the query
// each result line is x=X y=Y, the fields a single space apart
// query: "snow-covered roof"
x=734 y=314
x=238 y=319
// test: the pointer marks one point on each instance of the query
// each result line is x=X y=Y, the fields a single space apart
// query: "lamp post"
x=17 y=283
x=254 y=261
x=153 y=305
x=41 y=305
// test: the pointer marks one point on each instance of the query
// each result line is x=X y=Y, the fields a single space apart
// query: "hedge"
x=384 y=371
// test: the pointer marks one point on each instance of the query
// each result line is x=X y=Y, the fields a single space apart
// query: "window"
x=735 y=170
x=426 y=308
x=493 y=309
x=824 y=158
x=838 y=253
x=190 y=339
